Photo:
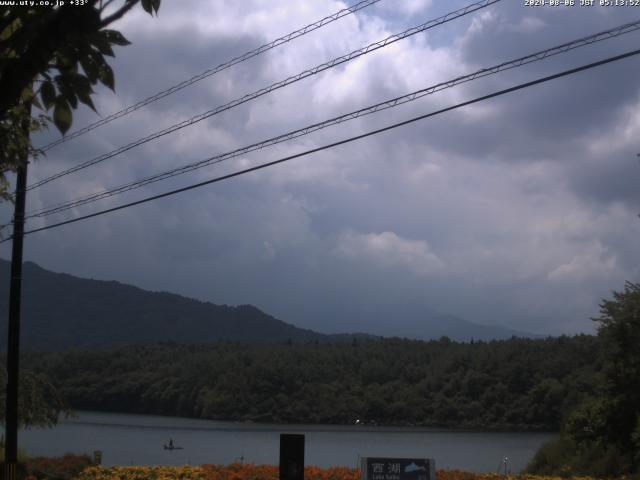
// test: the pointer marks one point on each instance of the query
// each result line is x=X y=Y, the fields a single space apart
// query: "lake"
x=138 y=439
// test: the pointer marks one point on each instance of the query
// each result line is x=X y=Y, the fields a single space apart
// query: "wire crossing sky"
x=471 y=8
x=341 y=142
x=520 y=211
x=394 y=102
x=212 y=71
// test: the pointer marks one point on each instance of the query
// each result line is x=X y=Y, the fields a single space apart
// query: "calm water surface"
x=139 y=439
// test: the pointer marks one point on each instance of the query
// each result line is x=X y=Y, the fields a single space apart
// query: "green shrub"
x=564 y=457
x=552 y=458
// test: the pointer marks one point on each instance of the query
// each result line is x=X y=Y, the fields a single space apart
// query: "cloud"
x=521 y=210
x=592 y=260
x=408 y=8
x=387 y=249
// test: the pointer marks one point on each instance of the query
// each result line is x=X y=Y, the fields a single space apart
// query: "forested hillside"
x=515 y=384
x=61 y=311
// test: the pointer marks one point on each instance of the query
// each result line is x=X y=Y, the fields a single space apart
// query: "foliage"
x=22 y=455
x=567 y=458
x=15 y=142
x=39 y=401
x=601 y=436
x=619 y=329
x=67 y=466
x=52 y=58
x=514 y=384
x=552 y=454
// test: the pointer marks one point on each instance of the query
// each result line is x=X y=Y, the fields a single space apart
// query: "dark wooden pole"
x=13 y=342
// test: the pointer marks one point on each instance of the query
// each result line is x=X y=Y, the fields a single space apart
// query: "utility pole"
x=15 y=287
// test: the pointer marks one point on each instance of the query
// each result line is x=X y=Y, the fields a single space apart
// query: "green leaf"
x=63 y=60
x=100 y=41
x=62 y=115
x=83 y=91
x=86 y=99
x=10 y=29
x=48 y=94
x=67 y=92
x=151 y=6
x=82 y=84
x=72 y=99
x=91 y=62
x=26 y=94
x=35 y=102
x=115 y=37
x=106 y=76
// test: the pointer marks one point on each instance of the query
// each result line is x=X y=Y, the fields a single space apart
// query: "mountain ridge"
x=62 y=311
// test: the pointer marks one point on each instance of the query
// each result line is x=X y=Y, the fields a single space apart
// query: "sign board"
x=377 y=468
x=291 y=457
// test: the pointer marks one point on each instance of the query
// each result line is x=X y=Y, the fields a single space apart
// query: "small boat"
x=171 y=447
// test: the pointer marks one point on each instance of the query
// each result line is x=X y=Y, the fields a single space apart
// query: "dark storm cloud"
x=610 y=178
x=558 y=121
x=517 y=211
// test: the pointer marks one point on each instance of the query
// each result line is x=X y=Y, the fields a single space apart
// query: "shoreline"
x=239 y=425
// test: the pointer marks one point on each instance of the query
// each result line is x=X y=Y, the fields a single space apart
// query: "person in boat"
x=171 y=443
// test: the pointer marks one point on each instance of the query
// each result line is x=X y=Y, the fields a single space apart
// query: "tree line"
x=512 y=384
x=601 y=436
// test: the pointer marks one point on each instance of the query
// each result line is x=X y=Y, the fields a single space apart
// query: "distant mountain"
x=60 y=311
x=426 y=324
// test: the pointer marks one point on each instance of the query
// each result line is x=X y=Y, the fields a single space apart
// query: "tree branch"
x=54 y=31
x=103 y=6
x=118 y=13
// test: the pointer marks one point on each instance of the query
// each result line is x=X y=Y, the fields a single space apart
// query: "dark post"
x=13 y=341
x=291 y=457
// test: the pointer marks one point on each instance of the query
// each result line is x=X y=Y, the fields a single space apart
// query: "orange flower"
x=238 y=471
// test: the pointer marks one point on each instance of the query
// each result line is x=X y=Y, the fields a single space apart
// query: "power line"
x=341 y=142
x=275 y=86
x=534 y=57
x=212 y=71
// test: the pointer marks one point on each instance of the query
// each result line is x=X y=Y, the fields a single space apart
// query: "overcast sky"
x=519 y=211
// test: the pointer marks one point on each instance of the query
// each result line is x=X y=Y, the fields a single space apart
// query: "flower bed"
x=67 y=466
x=267 y=472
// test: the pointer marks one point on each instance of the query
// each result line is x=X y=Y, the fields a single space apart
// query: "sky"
x=519 y=211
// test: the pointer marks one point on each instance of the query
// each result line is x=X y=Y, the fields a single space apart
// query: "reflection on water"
x=140 y=439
